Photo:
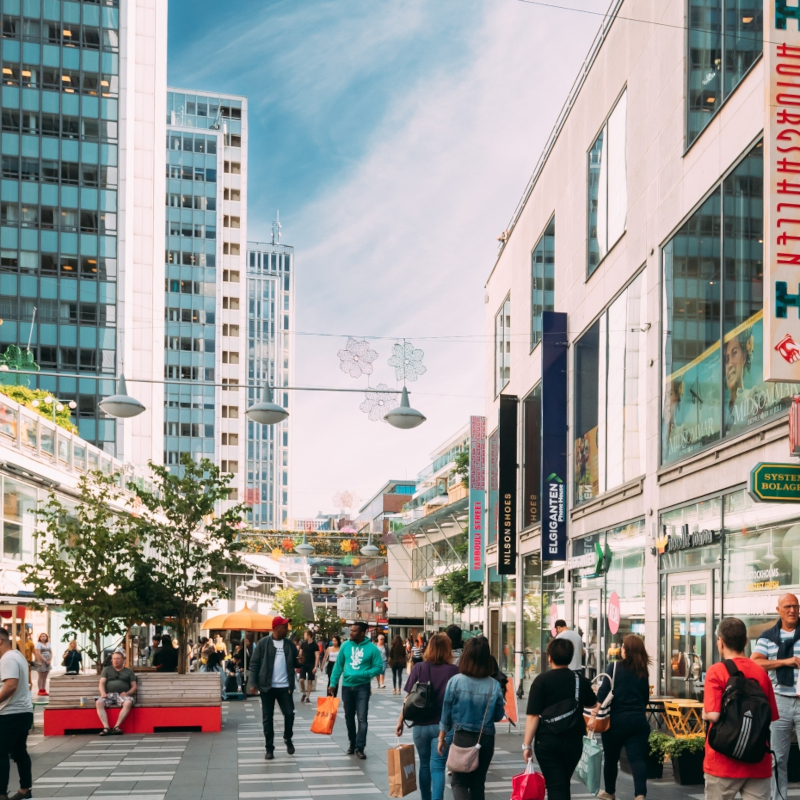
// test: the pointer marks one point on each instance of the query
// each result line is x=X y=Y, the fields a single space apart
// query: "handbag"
x=529 y=785
x=562 y=717
x=590 y=765
x=602 y=720
x=420 y=703
x=465 y=759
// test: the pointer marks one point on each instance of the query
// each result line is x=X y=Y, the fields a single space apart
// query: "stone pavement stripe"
x=254 y=795
x=273 y=775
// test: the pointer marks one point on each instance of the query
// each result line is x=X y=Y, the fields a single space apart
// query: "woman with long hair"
x=629 y=727
x=397 y=661
x=437 y=668
x=384 y=651
x=43 y=662
x=473 y=702
x=331 y=654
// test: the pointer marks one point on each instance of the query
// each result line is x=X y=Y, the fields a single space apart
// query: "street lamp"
x=384 y=587
x=304 y=548
x=369 y=549
x=425 y=589
x=121 y=405
x=404 y=416
x=56 y=405
x=267 y=412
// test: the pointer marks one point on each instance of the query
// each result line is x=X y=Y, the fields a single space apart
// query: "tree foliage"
x=86 y=557
x=25 y=397
x=189 y=544
x=458 y=591
x=328 y=622
x=287 y=604
x=462 y=466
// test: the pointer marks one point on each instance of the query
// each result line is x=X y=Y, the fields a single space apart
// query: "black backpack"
x=563 y=717
x=742 y=731
x=420 y=703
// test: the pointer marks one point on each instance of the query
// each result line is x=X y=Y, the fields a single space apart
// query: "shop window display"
x=532 y=618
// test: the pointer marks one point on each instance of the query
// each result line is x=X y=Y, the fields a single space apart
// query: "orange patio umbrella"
x=243 y=620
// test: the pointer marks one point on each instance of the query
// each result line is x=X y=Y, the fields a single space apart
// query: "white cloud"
x=403 y=245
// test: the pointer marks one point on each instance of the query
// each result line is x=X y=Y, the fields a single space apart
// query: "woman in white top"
x=384 y=650
x=331 y=654
x=44 y=661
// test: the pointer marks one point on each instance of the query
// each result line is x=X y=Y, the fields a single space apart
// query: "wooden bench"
x=164 y=702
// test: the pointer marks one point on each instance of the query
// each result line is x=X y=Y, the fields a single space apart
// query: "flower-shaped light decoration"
x=329 y=570
x=347 y=546
x=379 y=403
x=288 y=545
x=407 y=362
x=277 y=553
x=356 y=359
x=356 y=561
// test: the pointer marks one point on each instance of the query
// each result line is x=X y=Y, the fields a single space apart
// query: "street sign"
x=776 y=483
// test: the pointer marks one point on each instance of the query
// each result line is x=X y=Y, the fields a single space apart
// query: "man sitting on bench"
x=117 y=688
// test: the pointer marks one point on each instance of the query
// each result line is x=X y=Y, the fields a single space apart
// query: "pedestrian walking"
x=629 y=727
x=563 y=632
x=357 y=664
x=309 y=663
x=44 y=661
x=555 y=718
x=777 y=651
x=384 y=651
x=331 y=654
x=16 y=718
x=397 y=661
x=417 y=649
x=725 y=776
x=72 y=659
x=151 y=650
x=436 y=668
x=472 y=704
x=456 y=637
x=272 y=674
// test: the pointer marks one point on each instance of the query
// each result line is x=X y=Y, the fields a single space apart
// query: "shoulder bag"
x=562 y=717
x=602 y=720
x=465 y=759
x=420 y=702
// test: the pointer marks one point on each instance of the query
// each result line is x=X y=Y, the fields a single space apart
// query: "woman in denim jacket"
x=471 y=696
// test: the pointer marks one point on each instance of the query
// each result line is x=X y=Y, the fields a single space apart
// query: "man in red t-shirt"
x=726 y=777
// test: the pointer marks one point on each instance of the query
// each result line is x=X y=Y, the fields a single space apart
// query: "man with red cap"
x=272 y=674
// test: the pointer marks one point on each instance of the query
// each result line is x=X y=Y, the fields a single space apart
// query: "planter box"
x=655 y=768
x=687 y=769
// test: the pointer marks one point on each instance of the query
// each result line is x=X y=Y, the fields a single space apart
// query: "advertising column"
x=477 y=497
x=782 y=190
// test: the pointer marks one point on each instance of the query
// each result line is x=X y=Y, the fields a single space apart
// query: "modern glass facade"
x=543 y=270
x=58 y=198
x=270 y=316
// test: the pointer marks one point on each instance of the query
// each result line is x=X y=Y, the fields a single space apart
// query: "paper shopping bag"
x=326 y=715
x=402 y=770
x=590 y=765
x=529 y=785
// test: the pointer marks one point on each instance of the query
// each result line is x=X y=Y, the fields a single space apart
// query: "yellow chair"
x=676 y=720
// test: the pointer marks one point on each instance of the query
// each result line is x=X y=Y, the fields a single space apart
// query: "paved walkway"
x=230 y=764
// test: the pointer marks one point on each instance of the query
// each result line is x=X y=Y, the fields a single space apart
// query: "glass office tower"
x=69 y=242
x=206 y=202
x=270 y=321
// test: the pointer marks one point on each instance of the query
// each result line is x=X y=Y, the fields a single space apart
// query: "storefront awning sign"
x=671 y=543
x=775 y=483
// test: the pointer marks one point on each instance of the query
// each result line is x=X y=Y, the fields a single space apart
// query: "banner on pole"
x=507 y=544
x=477 y=497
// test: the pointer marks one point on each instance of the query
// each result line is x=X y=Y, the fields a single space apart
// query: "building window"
x=725 y=39
x=609 y=442
x=542 y=280
x=607 y=185
x=712 y=320
x=502 y=346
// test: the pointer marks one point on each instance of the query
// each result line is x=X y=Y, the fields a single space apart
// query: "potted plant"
x=686 y=755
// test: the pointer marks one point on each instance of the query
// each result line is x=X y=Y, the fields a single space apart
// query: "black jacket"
x=263 y=660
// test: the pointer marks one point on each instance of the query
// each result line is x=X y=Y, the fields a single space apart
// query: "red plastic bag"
x=529 y=785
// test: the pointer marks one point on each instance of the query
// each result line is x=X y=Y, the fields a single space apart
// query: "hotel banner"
x=782 y=203
x=477 y=497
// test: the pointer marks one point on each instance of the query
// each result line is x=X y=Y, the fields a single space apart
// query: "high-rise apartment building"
x=81 y=214
x=270 y=320
x=204 y=309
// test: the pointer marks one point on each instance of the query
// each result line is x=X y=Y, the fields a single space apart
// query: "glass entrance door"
x=690 y=629
x=588 y=625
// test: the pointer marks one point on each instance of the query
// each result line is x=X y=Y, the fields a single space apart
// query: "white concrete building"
x=644 y=223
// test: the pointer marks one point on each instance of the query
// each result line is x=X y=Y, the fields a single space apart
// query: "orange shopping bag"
x=326 y=715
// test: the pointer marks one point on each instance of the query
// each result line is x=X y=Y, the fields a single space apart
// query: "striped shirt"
x=769 y=649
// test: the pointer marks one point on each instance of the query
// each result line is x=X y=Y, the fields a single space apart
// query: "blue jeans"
x=781 y=729
x=431 y=764
x=356 y=704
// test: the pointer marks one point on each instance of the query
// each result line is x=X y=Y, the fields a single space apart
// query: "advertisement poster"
x=477 y=497
x=587 y=467
x=507 y=541
x=494 y=486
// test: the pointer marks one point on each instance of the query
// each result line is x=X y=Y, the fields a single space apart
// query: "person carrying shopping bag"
x=473 y=702
x=437 y=671
x=555 y=717
x=629 y=727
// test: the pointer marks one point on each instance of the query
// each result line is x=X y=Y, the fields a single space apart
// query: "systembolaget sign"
x=782 y=182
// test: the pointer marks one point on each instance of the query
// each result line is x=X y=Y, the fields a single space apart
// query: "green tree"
x=189 y=544
x=328 y=622
x=458 y=591
x=462 y=466
x=287 y=604
x=85 y=559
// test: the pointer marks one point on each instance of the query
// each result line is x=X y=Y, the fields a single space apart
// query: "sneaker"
x=603 y=795
x=290 y=748
x=268 y=756
x=21 y=795
x=361 y=754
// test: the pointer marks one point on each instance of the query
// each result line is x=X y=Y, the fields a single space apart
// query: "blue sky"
x=396 y=139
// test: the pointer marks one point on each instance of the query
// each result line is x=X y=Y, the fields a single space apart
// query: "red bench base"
x=62 y=721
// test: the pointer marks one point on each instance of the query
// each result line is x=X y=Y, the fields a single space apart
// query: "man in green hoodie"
x=360 y=661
